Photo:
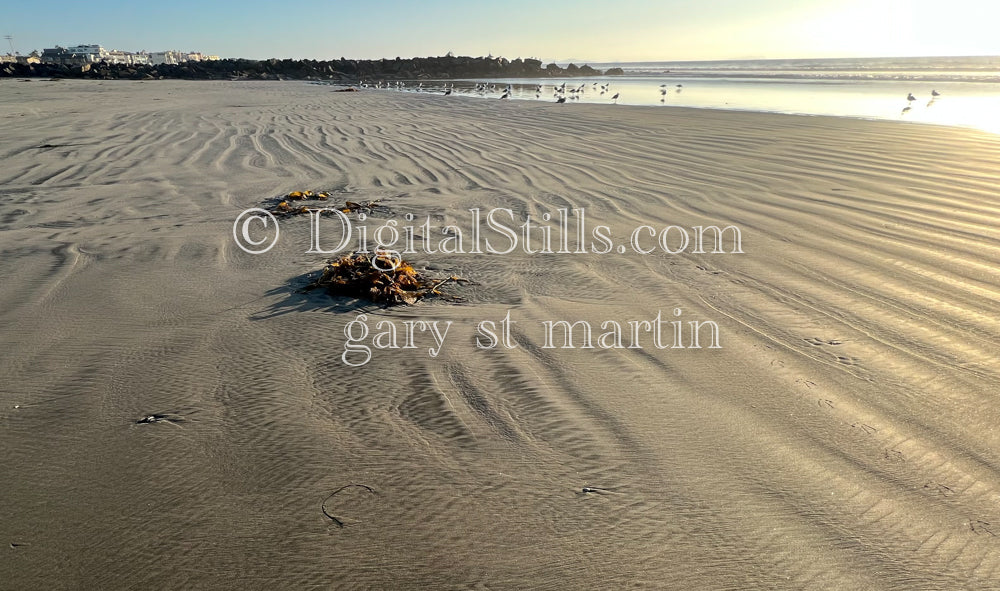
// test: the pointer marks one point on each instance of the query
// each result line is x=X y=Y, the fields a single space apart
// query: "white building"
x=116 y=56
x=167 y=57
x=90 y=53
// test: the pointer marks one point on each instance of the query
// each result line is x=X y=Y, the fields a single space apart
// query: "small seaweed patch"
x=380 y=279
x=303 y=202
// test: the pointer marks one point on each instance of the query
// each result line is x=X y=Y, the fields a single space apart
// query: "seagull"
x=615 y=98
x=561 y=99
x=447 y=92
x=910 y=97
x=935 y=93
x=506 y=95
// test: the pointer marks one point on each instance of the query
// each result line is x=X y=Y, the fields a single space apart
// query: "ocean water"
x=968 y=88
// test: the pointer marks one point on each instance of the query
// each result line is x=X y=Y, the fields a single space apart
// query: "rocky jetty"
x=342 y=70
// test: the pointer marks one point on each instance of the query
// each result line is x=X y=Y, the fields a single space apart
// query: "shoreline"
x=679 y=108
x=792 y=108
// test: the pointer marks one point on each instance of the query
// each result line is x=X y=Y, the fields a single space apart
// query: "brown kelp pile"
x=301 y=202
x=380 y=278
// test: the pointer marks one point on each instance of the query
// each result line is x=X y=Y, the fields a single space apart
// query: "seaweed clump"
x=285 y=206
x=380 y=278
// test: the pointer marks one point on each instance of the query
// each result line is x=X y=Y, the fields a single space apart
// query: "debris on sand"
x=381 y=279
x=300 y=195
x=366 y=206
x=295 y=203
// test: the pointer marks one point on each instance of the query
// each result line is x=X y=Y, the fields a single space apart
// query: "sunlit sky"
x=553 y=30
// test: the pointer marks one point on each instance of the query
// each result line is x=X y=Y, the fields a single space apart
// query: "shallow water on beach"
x=964 y=104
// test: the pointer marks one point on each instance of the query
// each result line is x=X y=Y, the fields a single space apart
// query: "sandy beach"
x=842 y=436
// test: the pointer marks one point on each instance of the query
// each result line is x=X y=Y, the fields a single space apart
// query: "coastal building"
x=17 y=58
x=116 y=56
x=170 y=58
x=67 y=57
x=81 y=55
x=93 y=53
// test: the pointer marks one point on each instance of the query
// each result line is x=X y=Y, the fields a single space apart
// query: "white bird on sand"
x=910 y=97
x=935 y=93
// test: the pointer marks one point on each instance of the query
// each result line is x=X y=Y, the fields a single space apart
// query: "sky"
x=592 y=31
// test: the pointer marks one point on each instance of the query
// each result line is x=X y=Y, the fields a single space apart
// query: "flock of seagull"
x=560 y=93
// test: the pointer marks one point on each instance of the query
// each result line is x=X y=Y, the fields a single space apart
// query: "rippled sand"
x=843 y=437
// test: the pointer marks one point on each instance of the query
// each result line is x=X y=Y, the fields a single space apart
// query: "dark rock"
x=342 y=69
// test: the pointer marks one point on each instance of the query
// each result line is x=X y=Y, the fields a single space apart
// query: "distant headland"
x=343 y=70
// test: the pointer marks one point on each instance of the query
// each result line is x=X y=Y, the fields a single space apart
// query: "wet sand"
x=843 y=436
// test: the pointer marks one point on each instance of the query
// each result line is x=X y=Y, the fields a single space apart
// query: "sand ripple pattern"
x=173 y=416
